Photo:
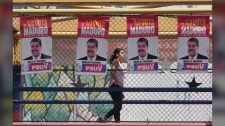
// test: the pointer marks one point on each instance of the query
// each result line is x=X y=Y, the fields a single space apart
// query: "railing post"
x=17 y=110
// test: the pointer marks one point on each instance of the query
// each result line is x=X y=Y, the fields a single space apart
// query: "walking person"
x=116 y=81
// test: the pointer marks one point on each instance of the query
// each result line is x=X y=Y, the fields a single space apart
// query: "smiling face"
x=192 y=48
x=35 y=49
x=91 y=49
x=142 y=48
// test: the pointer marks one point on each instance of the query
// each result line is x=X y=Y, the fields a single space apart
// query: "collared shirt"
x=92 y=59
x=37 y=58
x=142 y=58
x=194 y=58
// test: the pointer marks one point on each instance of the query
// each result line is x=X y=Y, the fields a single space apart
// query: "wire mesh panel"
x=64 y=55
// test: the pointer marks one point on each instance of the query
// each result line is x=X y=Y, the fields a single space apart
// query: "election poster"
x=92 y=45
x=142 y=42
x=193 y=44
x=36 y=44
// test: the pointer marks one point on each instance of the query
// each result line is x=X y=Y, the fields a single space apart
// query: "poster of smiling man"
x=36 y=44
x=92 y=45
x=193 y=43
x=142 y=41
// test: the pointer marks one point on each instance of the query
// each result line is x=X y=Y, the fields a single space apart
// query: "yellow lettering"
x=182 y=24
x=203 y=22
x=194 y=22
x=135 y=23
x=87 y=23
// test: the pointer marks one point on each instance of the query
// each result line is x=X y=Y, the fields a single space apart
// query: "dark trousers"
x=117 y=101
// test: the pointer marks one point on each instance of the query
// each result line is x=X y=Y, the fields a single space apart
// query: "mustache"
x=34 y=50
x=190 y=50
x=89 y=51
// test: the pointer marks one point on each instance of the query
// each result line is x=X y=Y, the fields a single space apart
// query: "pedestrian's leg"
x=117 y=106
x=111 y=112
x=117 y=101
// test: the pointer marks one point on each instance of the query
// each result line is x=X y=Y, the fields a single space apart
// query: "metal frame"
x=112 y=11
x=114 y=89
x=108 y=2
x=111 y=102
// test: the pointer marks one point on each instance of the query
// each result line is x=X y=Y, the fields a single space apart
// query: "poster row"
x=92 y=44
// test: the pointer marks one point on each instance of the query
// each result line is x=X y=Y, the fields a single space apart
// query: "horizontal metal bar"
x=108 y=69
x=122 y=123
x=108 y=2
x=161 y=35
x=112 y=11
x=111 y=102
x=112 y=89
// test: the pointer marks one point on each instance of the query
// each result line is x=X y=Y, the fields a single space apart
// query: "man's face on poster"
x=192 y=48
x=35 y=49
x=91 y=49
x=142 y=48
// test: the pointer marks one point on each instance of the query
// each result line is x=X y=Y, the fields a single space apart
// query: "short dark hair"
x=143 y=40
x=193 y=40
x=36 y=40
x=92 y=40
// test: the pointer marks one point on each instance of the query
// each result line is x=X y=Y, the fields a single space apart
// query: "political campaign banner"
x=193 y=43
x=142 y=42
x=92 y=45
x=36 y=44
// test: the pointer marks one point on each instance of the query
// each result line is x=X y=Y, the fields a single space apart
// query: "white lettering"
x=132 y=30
x=200 y=66
x=92 y=31
x=146 y=67
x=142 y=30
x=35 y=30
x=40 y=67
x=193 y=30
x=93 y=68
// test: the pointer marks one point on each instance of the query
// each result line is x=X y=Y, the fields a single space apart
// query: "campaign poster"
x=92 y=45
x=36 y=44
x=193 y=44
x=142 y=42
